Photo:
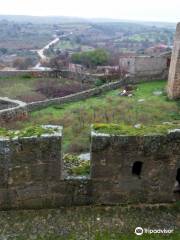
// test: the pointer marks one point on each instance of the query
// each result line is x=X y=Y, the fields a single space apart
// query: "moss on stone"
x=122 y=129
x=75 y=166
x=27 y=132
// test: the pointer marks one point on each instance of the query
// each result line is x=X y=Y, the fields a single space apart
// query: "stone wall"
x=147 y=67
x=31 y=171
x=17 y=110
x=75 y=97
x=128 y=169
x=26 y=163
x=173 y=88
x=87 y=77
x=20 y=111
x=11 y=110
x=32 y=73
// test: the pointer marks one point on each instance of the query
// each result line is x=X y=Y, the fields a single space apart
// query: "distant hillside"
x=38 y=19
x=63 y=19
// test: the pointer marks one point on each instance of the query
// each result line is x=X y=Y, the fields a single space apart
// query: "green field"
x=144 y=107
x=69 y=45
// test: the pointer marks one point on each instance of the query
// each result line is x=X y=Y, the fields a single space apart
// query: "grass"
x=69 y=45
x=141 y=130
x=26 y=88
x=109 y=236
x=91 y=222
x=74 y=166
x=142 y=108
x=27 y=132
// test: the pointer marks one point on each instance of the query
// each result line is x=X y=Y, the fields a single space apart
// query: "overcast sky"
x=152 y=10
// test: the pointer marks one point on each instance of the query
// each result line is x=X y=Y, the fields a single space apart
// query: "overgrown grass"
x=27 y=132
x=31 y=89
x=139 y=130
x=90 y=222
x=109 y=236
x=144 y=107
x=74 y=166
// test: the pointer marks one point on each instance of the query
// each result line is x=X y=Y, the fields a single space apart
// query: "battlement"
x=126 y=167
x=135 y=167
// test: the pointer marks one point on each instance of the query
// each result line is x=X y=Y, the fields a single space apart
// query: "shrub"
x=53 y=89
x=94 y=58
x=99 y=82
x=26 y=76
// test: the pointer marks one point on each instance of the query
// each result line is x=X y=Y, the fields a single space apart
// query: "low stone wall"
x=128 y=169
x=21 y=109
x=75 y=97
x=11 y=110
x=89 y=77
x=86 y=77
x=31 y=73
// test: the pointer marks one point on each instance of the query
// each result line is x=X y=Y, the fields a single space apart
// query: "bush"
x=99 y=82
x=53 y=89
x=26 y=76
x=94 y=58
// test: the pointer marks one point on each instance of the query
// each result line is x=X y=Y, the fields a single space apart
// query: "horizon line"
x=87 y=18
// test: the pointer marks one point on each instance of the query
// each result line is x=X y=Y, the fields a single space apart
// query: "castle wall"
x=114 y=162
x=173 y=87
x=31 y=171
x=27 y=166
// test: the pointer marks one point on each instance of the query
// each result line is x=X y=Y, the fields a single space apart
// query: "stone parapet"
x=128 y=169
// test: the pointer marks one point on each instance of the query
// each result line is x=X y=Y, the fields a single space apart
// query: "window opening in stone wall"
x=177 y=184
x=137 y=168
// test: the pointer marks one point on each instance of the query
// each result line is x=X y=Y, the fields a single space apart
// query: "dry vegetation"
x=30 y=89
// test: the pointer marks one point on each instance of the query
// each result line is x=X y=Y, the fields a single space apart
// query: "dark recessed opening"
x=137 y=168
x=177 y=184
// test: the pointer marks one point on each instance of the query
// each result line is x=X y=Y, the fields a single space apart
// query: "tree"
x=22 y=63
x=3 y=50
x=59 y=62
x=91 y=59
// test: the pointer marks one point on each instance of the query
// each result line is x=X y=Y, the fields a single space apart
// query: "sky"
x=152 y=10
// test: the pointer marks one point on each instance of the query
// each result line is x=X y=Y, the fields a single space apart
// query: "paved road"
x=41 y=52
x=44 y=57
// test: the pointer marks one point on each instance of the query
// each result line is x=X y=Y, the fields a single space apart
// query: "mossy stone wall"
x=112 y=161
